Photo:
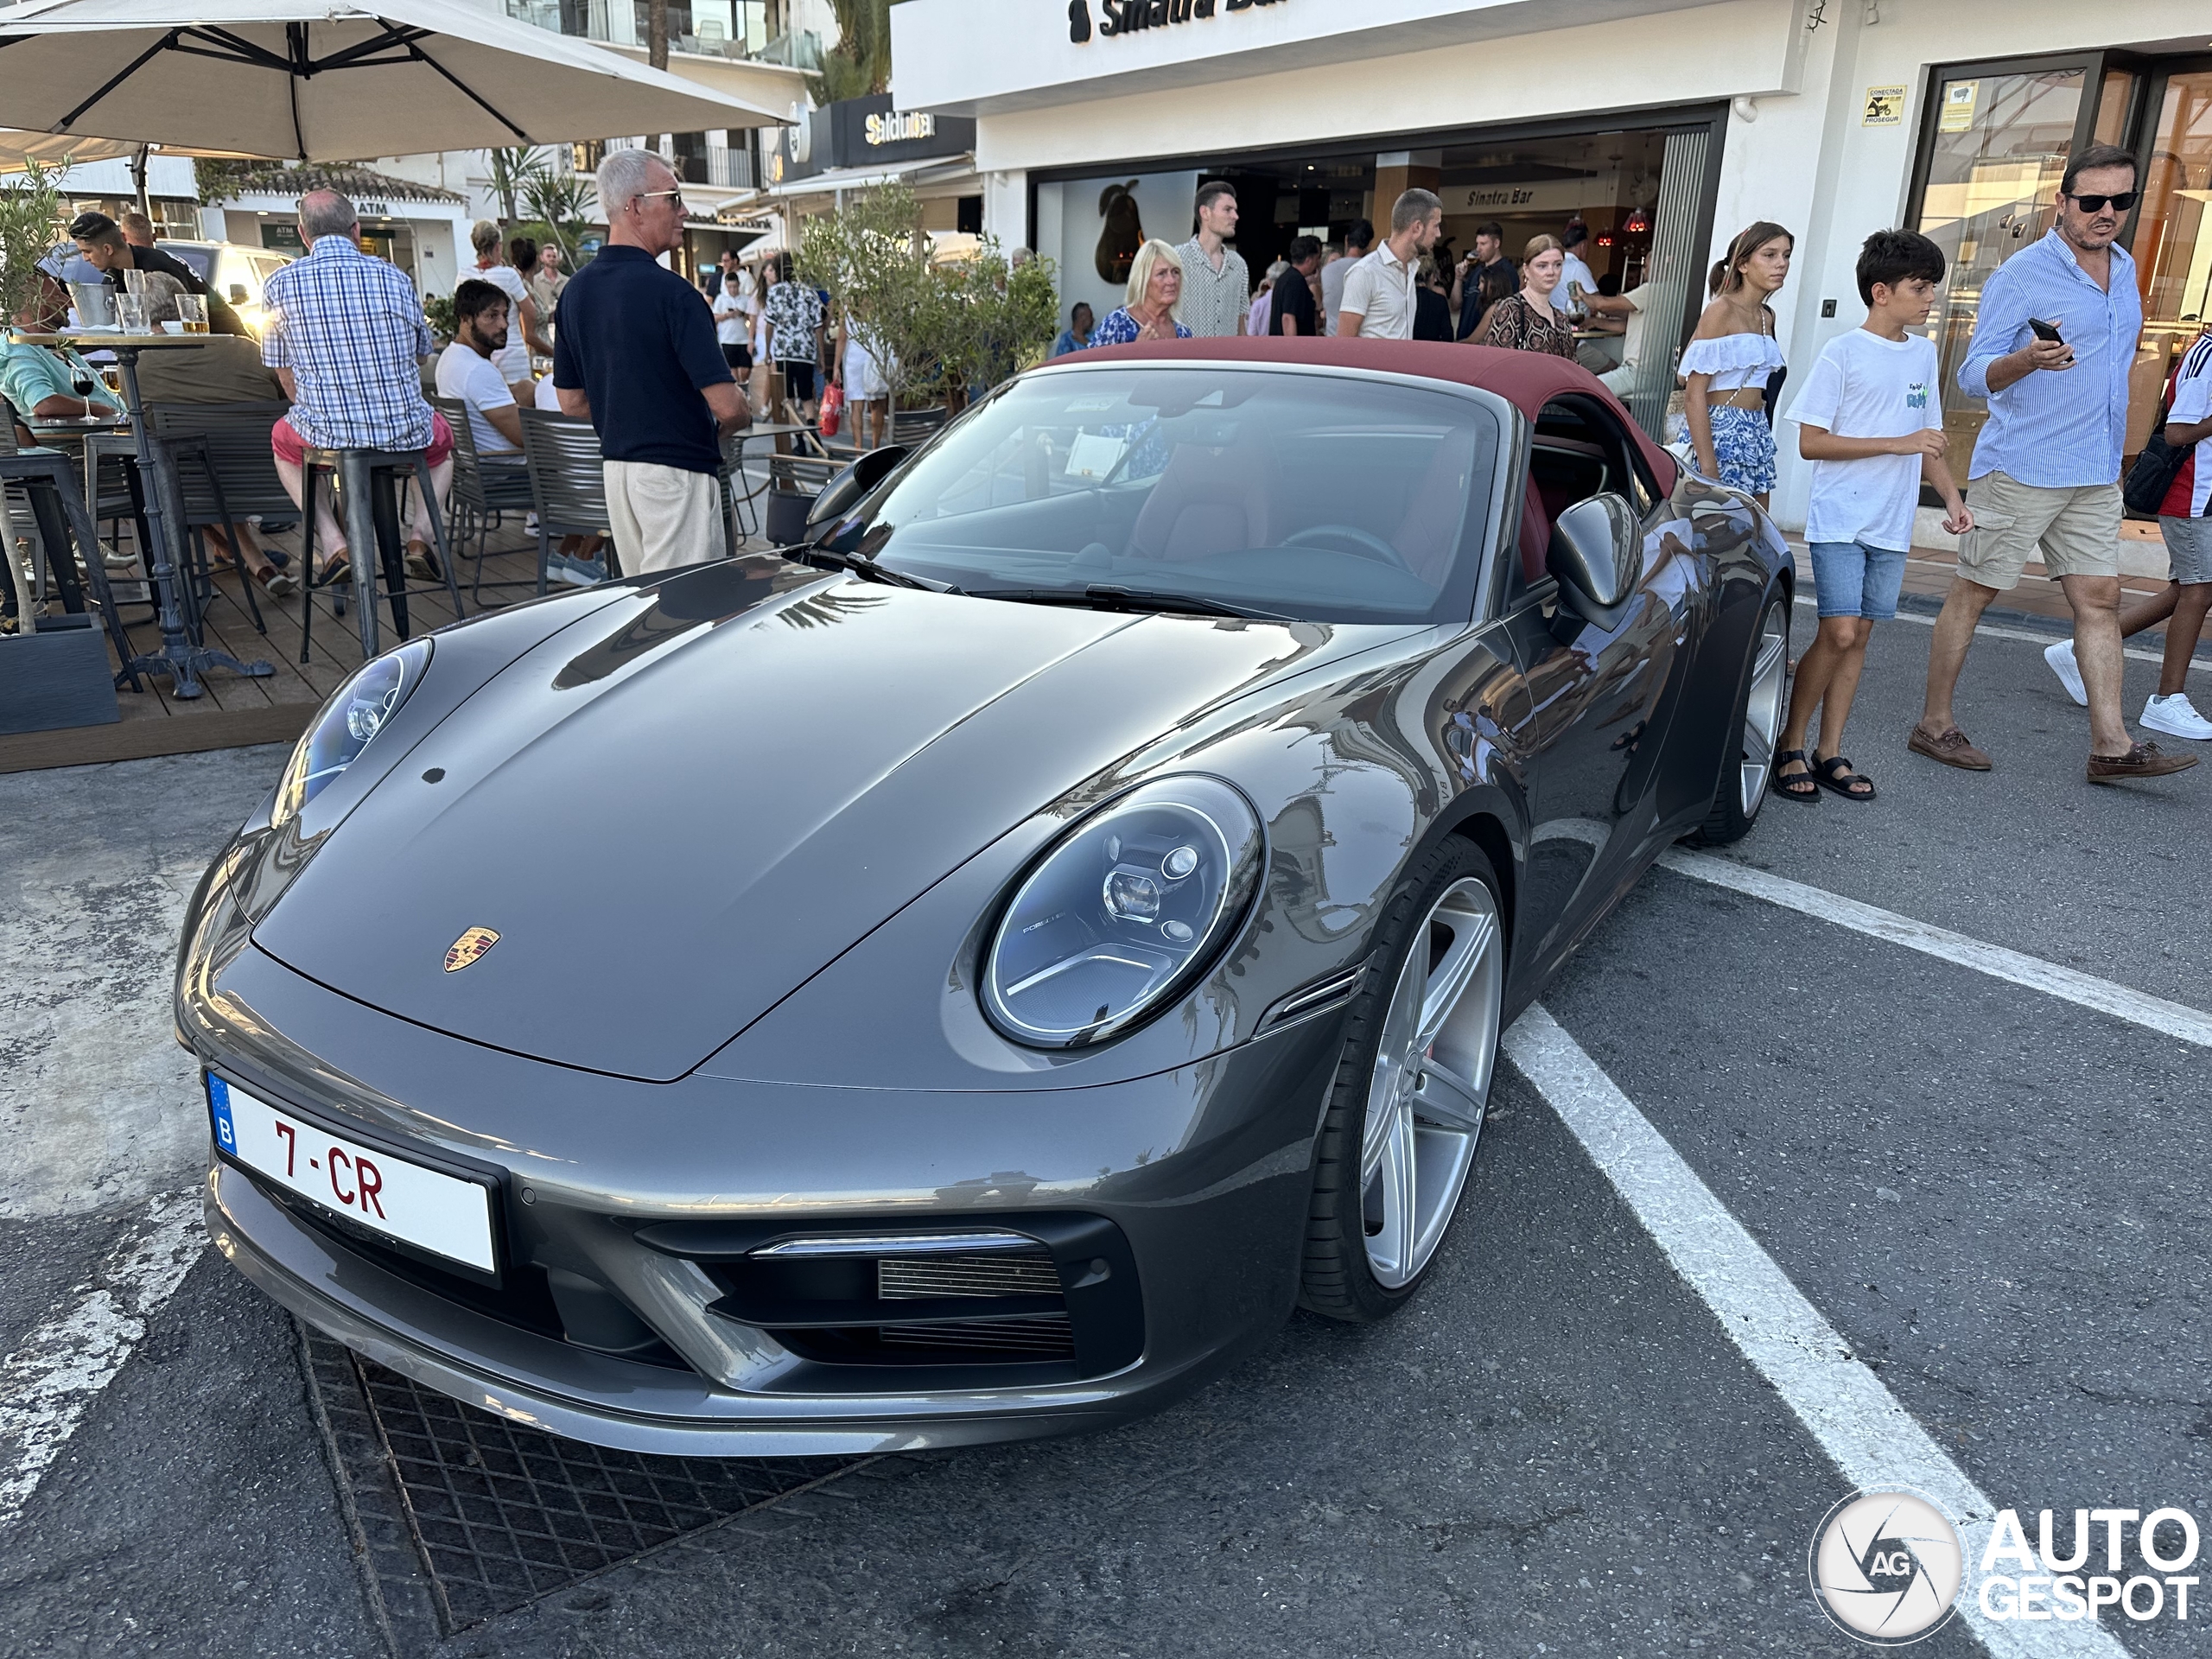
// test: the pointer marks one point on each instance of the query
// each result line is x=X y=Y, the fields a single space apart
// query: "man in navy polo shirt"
x=634 y=352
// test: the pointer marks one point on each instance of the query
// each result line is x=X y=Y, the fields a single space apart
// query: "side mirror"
x=842 y=492
x=1597 y=558
x=238 y=294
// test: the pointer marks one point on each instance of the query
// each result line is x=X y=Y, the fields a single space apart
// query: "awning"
x=934 y=170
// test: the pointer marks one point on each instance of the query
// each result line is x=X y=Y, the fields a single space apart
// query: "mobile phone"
x=2046 y=331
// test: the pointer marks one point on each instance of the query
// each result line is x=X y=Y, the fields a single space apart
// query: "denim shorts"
x=1850 y=579
x=2188 y=548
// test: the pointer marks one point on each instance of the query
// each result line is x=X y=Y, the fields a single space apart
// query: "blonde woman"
x=1155 y=292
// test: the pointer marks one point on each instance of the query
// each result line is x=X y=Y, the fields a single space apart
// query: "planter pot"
x=787 y=515
x=58 y=677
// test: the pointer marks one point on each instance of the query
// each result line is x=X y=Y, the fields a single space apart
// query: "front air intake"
x=1028 y=1273
x=1047 y=1336
x=1008 y=1297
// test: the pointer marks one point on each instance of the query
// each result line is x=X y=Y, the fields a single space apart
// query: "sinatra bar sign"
x=1126 y=16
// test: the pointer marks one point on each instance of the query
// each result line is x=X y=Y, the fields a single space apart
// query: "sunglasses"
x=2120 y=203
x=677 y=196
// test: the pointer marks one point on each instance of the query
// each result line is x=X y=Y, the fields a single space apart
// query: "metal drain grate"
x=495 y=1515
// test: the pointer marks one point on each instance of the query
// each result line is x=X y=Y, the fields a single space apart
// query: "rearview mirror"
x=843 y=491
x=1597 y=558
x=238 y=294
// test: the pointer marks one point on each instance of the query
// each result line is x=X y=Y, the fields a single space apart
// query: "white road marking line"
x=1875 y=1444
x=1998 y=631
x=2086 y=990
x=48 y=1384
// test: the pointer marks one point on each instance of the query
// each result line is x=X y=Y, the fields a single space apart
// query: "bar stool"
x=57 y=508
x=368 y=483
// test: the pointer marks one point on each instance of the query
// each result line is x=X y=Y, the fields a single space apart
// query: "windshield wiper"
x=1106 y=597
x=816 y=553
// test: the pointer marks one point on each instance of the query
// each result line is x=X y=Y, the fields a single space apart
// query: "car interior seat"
x=1208 y=500
x=1429 y=533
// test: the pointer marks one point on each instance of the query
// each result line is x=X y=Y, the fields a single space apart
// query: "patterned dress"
x=1516 y=326
x=1120 y=328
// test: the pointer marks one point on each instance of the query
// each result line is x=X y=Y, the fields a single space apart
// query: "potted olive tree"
x=52 y=673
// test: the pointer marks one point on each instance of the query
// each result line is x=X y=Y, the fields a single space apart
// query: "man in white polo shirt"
x=1217 y=286
x=1378 y=300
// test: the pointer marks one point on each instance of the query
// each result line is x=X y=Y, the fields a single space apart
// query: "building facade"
x=1664 y=127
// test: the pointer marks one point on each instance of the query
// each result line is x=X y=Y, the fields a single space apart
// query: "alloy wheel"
x=1762 y=709
x=1431 y=1082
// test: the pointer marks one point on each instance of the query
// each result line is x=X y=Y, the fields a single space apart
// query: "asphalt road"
x=1993 y=1195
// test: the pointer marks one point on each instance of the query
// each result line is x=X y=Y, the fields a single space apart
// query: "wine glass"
x=81 y=382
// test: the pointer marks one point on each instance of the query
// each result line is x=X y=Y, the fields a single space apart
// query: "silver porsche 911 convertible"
x=963 y=976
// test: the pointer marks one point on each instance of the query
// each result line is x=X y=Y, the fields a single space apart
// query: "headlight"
x=1123 y=914
x=348 y=721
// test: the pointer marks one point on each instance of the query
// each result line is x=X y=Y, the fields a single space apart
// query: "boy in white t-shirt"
x=1870 y=420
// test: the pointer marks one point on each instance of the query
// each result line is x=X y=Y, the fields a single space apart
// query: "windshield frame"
x=1499 y=518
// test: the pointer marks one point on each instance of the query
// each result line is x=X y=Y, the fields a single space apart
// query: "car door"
x=1600 y=698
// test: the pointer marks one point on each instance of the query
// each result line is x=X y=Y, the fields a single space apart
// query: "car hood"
x=677 y=810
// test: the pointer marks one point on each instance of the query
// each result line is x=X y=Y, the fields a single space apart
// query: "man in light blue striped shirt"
x=2053 y=341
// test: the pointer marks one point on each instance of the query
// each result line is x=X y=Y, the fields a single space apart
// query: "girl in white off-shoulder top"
x=1731 y=358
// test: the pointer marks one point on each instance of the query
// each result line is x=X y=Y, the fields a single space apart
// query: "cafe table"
x=179 y=658
x=784 y=436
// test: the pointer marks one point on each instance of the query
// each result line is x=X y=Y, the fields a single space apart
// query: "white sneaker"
x=2061 y=659
x=2176 y=716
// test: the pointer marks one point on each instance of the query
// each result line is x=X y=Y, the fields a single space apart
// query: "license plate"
x=389 y=1195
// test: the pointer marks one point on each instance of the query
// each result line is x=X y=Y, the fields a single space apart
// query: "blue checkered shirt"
x=351 y=330
x=2055 y=429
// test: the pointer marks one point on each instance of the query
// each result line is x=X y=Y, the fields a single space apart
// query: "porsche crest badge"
x=469 y=946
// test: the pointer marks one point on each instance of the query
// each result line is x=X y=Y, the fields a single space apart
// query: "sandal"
x=1798 y=785
x=1835 y=774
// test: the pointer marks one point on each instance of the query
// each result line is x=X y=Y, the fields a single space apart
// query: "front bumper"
x=1204 y=1172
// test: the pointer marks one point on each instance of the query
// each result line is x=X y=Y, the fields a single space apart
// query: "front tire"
x=1412 y=1089
x=1761 y=703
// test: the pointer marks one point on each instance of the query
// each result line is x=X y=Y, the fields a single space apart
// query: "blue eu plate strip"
x=218 y=1109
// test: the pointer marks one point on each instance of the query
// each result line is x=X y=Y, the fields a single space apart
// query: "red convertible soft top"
x=1527 y=380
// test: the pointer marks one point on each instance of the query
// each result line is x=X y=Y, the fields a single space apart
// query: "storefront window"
x=2172 y=243
x=1640 y=197
x=1994 y=162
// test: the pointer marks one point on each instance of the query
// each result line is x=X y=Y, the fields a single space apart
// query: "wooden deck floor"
x=273 y=709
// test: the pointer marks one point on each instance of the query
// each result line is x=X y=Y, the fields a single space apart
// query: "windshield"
x=1321 y=497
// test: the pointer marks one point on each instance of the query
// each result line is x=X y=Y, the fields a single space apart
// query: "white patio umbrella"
x=329 y=81
x=54 y=149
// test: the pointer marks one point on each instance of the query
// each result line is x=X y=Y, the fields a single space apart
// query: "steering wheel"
x=1364 y=544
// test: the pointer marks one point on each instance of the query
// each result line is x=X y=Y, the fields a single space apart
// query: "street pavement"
x=1992 y=1194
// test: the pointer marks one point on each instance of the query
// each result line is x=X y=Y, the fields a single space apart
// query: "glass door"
x=1992 y=155
x=2171 y=240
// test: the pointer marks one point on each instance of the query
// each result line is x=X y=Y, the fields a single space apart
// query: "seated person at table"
x=346 y=333
x=227 y=369
x=40 y=382
x=469 y=369
x=100 y=239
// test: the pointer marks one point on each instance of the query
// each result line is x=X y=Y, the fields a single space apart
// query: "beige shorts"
x=2076 y=530
x=663 y=517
